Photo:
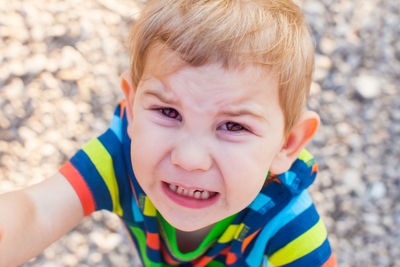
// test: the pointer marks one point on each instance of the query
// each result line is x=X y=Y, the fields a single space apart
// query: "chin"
x=188 y=226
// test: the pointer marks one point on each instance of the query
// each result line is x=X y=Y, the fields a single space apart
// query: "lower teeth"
x=197 y=194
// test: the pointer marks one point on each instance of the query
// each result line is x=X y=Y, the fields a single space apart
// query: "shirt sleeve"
x=301 y=242
x=98 y=174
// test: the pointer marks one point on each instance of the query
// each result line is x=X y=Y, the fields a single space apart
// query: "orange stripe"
x=247 y=240
x=331 y=262
x=153 y=240
x=203 y=261
x=167 y=257
x=122 y=104
x=230 y=258
x=315 y=167
x=80 y=187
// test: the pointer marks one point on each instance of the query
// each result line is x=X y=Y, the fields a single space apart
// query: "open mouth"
x=192 y=198
x=197 y=194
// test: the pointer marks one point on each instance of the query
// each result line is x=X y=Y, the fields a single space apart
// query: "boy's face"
x=203 y=138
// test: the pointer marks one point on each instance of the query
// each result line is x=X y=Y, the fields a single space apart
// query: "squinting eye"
x=171 y=113
x=234 y=127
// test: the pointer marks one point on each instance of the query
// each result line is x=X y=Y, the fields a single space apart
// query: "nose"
x=191 y=154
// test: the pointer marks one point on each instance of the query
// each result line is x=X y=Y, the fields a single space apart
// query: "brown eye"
x=171 y=113
x=234 y=127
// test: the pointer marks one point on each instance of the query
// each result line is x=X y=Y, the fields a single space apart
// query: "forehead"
x=161 y=61
x=233 y=85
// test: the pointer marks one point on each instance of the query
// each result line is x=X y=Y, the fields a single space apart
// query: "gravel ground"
x=60 y=63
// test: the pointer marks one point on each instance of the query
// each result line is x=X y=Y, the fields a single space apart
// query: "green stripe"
x=215 y=263
x=139 y=234
x=169 y=235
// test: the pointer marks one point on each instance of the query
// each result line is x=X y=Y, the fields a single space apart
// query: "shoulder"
x=301 y=238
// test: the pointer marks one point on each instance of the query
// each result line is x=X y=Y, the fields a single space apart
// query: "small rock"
x=377 y=190
x=70 y=260
x=57 y=30
x=106 y=241
x=327 y=45
x=95 y=257
x=70 y=74
x=343 y=128
x=36 y=64
x=119 y=260
x=14 y=89
x=70 y=58
x=367 y=86
x=15 y=49
x=352 y=180
x=322 y=61
x=17 y=68
x=315 y=88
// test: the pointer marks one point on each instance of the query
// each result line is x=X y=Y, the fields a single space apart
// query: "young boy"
x=204 y=159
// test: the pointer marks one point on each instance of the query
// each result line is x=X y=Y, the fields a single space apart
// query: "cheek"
x=245 y=173
x=149 y=146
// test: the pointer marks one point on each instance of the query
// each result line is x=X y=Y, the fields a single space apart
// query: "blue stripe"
x=287 y=178
x=153 y=254
x=302 y=223
x=95 y=182
x=296 y=206
x=137 y=214
x=116 y=127
x=262 y=202
x=315 y=258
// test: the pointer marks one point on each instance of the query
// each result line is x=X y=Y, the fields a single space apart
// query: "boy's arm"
x=301 y=242
x=33 y=218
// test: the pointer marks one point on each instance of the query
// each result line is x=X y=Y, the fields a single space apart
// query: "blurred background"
x=60 y=63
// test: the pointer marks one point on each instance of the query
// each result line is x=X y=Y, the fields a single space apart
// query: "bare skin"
x=33 y=218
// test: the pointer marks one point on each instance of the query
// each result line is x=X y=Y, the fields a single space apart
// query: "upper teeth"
x=198 y=194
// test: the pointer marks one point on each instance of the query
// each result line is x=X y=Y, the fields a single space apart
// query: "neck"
x=189 y=241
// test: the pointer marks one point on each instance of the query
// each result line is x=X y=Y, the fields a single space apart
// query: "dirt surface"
x=60 y=63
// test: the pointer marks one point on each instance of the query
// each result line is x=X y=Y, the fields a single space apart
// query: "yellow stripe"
x=228 y=234
x=239 y=230
x=103 y=163
x=149 y=209
x=305 y=156
x=301 y=246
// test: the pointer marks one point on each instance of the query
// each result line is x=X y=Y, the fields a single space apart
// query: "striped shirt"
x=281 y=227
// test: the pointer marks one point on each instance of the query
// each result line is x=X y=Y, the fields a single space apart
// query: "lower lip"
x=188 y=202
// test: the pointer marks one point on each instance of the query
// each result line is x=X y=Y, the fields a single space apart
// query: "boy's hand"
x=33 y=218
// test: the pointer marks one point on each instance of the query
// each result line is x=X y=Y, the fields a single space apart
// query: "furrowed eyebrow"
x=244 y=112
x=164 y=98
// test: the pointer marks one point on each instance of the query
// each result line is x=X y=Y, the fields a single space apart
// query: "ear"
x=301 y=133
x=129 y=92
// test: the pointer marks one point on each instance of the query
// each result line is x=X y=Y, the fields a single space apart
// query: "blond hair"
x=235 y=33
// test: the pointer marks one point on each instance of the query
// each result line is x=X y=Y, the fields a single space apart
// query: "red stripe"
x=134 y=192
x=231 y=258
x=203 y=261
x=80 y=187
x=331 y=262
x=225 y=250
x=153 y=240
x=167 y=257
